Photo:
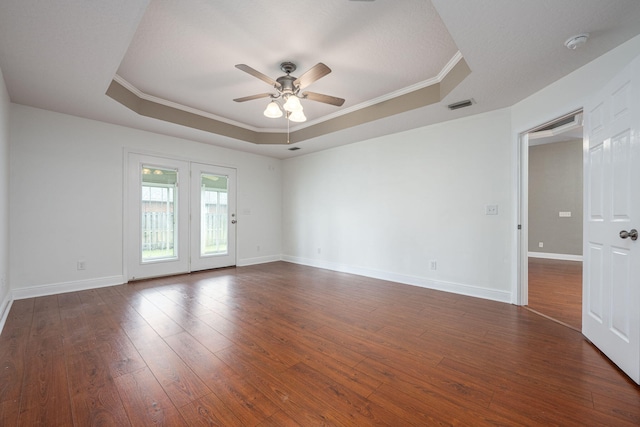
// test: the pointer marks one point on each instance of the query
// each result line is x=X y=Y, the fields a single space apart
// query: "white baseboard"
x=61 y=288
x=440 y=285
x=258 y=260
x=562 y=257
x=5 y=306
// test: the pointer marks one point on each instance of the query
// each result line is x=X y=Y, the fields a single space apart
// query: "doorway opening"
x=552 y=219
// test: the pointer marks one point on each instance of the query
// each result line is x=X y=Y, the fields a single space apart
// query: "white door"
x=213 y=217
x=158 y=217
x=611 y=272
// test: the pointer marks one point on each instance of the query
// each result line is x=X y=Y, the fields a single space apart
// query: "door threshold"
x=552 y=319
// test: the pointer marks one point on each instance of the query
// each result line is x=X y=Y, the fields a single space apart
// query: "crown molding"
x=422 y=94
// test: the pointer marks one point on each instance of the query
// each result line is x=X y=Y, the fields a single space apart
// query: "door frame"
x=521 y=296
x=126 y=205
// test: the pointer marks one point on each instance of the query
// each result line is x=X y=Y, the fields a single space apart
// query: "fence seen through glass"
x=158 y=213
x=214 y=212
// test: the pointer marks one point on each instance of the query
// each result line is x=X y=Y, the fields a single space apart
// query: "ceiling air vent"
x=461 y=104
x=293 y=148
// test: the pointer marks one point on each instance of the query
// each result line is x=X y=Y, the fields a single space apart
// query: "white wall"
x=4 y=201
x=387 y=206
x=559 y=98
x=571 y=92
x=382 y=208
x=66 y=197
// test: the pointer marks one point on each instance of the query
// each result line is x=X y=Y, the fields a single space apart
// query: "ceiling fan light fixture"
x=293 y=104
x=297 y=116
x=273 y=110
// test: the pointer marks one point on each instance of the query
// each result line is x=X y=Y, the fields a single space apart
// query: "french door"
x=213 y=217
x=181 y=216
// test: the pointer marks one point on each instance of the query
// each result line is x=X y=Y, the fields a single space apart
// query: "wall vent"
x=461 y=104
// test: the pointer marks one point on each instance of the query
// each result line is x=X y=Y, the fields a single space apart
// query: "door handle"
x=233 y=221
x=633 y=234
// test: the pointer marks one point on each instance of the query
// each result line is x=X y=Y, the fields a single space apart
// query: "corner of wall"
x=5 y=307
x=5 y=289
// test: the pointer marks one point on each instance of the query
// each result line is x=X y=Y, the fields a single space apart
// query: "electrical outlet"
x=491 y=210
x=433 y=265
x=319 y=251
x=540 y=244
x=81 y=265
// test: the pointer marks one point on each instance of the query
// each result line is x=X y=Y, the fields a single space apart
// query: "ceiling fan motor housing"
x=286 y=83
x=288 y=67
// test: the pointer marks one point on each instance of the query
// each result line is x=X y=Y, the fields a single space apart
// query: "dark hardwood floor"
x=555 y=290
x=286 y=345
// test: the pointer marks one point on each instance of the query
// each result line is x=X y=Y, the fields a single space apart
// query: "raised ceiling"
x=64 y=56
x=185 y=52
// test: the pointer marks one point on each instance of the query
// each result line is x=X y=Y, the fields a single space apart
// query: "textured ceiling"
x=63 y=55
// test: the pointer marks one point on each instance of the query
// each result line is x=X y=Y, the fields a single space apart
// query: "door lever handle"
x=633 y=234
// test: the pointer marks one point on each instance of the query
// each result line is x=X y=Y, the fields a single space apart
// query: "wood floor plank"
x=279 y=419
x=411 y=363
x=9 y=412
x=46 y=303
x=92 y=304
x=626 y=408
x=46 y=318
x=356 y=409
x=94 y=396
x=285 y=344
x=555 y=289
x=180 y=383
x=432 y=381
x=20 y=314
x=208 y=336
x=536 y=409
x=145 y=401
x=209 y=410
x=155 y=317
x=119 y=354
x=46 y=399
x=246 y=402
x=13 y=347
x=345 y=375
x=298 y=403
x=76 y=333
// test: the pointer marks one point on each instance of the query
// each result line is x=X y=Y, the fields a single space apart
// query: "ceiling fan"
x=289 y=89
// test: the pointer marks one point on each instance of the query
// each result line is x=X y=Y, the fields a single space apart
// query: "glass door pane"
x=213 y=205
x=214 y=214
x=159 y=233
x=157 y=224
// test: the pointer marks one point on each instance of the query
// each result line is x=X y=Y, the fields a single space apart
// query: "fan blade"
x=314 y=73
x=258 y=74
x=324 y=98
x=252 y=97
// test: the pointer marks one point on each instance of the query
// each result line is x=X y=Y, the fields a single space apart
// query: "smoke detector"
x=576 y=41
